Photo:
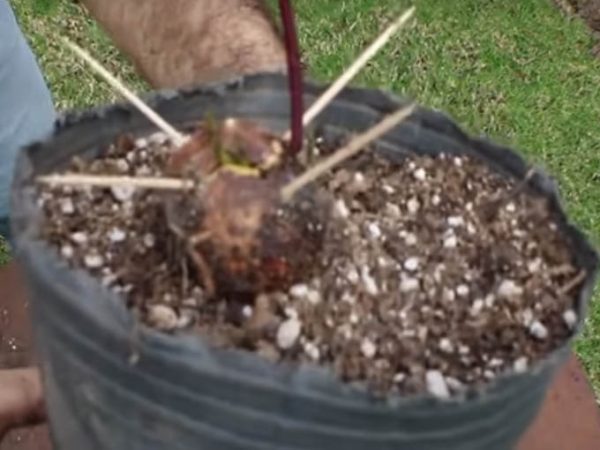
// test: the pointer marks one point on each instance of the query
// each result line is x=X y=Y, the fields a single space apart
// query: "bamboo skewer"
x=177 y=138
x=109 y=181
x=357 y=144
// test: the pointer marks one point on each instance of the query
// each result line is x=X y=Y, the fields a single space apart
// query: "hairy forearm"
x=180 y=42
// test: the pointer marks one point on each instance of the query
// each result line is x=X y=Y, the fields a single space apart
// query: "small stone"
x=149 y=240
x=457 y=161
x=436 y=384
x=489 y=300
x=341 y=210
x=534 y=265
x=488 y=374
x=93 y=261
x=462 y=290
x=122 y=193
x=388 y=189
x=288 y=333
x=463 y=350
x=471 y=228
x=117 y=235
x=476 y=307
x=312 y=351
x=508 y=289
x=411 y=264
x=410 y=239
x=446 y=345
x=122 y=165
x=291 y=313
x=162 y=317
x=454 y=384
x=448 y=295
x=352 y=275
x=436 y=200
x=420 y=174
x=367 y=348
x=186 y=319
x=510 y=207
x=527 y=317
x=374 y=230
x=520 y=364
x=399 y=378
x=299 y=291
x=455 y=221
x=353 y=318
x=570 y=318
x=66 y=206
x=313 y=296
x=451 y=241
x=67 y=251
x=496 y=362
x=409 y=284
x=247 y=311
x=79 y=237
x=369 y=282
x=141 y=143
x=538 y=330
x=413 y=205
x=393 y=210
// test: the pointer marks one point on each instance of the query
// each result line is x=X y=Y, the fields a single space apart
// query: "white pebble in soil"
x=352 y=275
x=368 y=348
x=299 y=291
x=508 y=289
x=247 y=311
x=408 y=284
x=116 y=235
x=413 y=205
x=455 y=221
x=66 y=206
x=520 y=364
x=79 y=237
x=374 y=230
x=341 y=210
x=420 y=174
x=436 y=384
x=436 y=200
x=149 y=240
x=67 y=251
x=93 y=261
x=410 y=239
x=462 y=290
x=162 y=317
x=511 y=208
x=288 y=333
x=450 y=241
x=538 y=330
x=411 y=264
x=570 y=319
x=291 y=313
x=476 y=307
x=312 y=351
x=446 y=345
x=369 y=283
x=393 y=210
x=122 y=193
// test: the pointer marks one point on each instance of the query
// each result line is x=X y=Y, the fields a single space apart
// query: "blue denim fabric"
x=26 y=111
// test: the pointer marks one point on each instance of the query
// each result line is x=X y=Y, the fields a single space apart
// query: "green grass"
x=518 y=71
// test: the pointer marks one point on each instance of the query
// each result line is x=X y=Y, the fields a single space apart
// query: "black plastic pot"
x=183 y=394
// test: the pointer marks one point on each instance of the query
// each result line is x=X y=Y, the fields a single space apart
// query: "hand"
x=21 y=399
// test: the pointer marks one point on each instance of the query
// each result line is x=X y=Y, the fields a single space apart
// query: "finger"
x=21 y=398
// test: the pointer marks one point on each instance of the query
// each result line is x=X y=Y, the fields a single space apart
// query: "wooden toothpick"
x=177 y=138
x=357 y=144
x=321 y=103
x=109 y=181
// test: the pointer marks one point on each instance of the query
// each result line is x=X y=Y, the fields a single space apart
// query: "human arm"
x=181 y=42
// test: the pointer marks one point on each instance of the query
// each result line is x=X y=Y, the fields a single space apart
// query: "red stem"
x=290 y=37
